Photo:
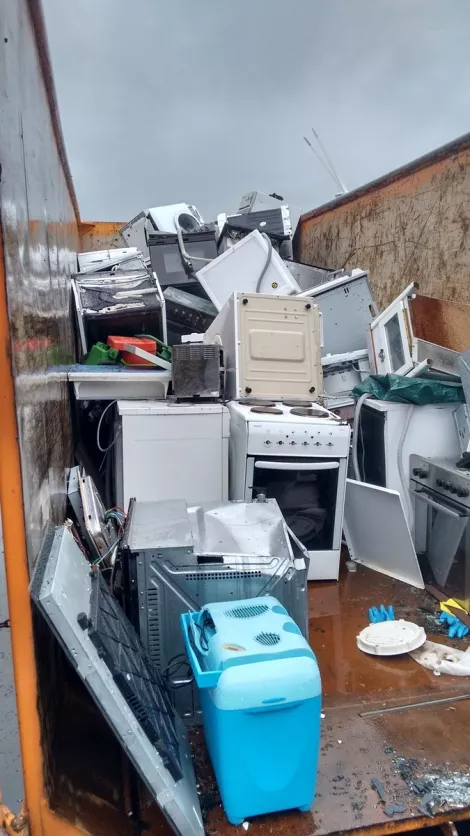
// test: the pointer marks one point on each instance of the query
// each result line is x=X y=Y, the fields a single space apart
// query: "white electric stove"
x=296 y=452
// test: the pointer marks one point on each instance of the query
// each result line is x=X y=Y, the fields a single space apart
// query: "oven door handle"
x=423 y=497
x=262 y=465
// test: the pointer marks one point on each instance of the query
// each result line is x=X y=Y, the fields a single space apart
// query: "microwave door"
x=445 y=529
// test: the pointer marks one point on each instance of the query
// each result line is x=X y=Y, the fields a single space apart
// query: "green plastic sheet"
x=414 y=390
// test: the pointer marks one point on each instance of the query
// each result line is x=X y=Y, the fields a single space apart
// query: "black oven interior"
x=307 y=499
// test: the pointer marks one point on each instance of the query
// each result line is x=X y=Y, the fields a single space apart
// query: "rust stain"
x=418 y=168
x=441 y=322
x=413 y=225
x=100 y=235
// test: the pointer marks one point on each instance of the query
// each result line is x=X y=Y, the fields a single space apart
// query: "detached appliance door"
x=109 y=658
x=377 y=533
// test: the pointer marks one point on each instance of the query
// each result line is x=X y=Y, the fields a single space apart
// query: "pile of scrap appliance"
x=246 y=424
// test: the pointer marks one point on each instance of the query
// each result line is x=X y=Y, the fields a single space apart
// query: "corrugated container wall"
x=411 y=225
x=40 y=240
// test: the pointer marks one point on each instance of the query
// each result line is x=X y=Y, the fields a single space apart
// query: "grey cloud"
x=201 y=101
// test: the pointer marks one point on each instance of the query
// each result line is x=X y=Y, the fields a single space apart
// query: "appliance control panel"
x=442 y=477
x=312 y=439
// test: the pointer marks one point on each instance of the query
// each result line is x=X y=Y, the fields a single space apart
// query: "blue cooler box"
x=260 y=692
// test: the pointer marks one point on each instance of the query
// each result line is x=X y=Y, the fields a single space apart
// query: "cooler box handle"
x=204 y=679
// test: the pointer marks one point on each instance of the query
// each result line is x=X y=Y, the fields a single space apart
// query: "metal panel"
x=40 y=242
x=377 y=532
x=62 y=589
x=347 y=307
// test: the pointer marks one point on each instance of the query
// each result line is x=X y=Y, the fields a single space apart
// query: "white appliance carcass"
x=271 y=344
x=348 y=307
x=166 y=450
x=299 y=456
x=258 y=201
x=388 y=433
x=252 y=266
x=160 y=219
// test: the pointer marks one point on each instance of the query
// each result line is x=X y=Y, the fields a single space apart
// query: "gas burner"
x=302 y=404
x=256 y=402
x=310 y=413
x=268 y=410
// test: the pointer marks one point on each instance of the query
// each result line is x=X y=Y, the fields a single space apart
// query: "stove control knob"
x=293 y=442
x=420 y=472
x=452 y=489
x=446 y=486
x=439 y=483
x=304 y=443
x=463 y=492
x=267 y=443
x=280 y=442
x=318 y=444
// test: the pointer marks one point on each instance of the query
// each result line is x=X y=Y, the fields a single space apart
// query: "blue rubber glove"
x=382 y=614
x=457 y=629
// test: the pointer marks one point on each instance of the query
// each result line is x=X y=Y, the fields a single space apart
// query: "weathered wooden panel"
x=413 y=225
x=100 y=235
x=40 y=240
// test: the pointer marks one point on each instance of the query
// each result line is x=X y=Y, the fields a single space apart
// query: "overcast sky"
x=203 y=100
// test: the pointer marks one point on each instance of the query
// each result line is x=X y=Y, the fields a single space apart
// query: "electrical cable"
x=266 y=263
x=356 y=424
x=116 y=436
x=107 y=552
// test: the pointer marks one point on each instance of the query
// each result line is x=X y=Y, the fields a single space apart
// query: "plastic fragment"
x=377 y=785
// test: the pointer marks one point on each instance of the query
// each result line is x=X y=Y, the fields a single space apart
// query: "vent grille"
x=268 y=639
x=221 y=576
x=154 y=645
x=186 y=351
x=247 y=612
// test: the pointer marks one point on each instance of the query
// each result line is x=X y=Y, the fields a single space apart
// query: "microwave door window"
x=395 y=343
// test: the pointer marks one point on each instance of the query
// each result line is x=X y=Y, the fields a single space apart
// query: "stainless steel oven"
x=441 y=496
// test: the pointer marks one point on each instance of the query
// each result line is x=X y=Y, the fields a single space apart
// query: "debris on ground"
x=377 y=785
x=394 y=809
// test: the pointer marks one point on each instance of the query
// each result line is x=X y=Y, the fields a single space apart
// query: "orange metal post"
x=17 y=574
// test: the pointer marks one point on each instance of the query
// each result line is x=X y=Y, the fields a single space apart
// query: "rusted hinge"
x=14 y=825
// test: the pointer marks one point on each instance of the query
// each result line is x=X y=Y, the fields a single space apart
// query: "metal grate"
x=247 y=612
x=222 y=576
x=134 y=674
x=154 y=625
x=268 y=639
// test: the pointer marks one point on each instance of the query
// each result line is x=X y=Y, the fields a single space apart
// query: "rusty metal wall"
x=40 y=238
x=100 y=235
x=411 y=226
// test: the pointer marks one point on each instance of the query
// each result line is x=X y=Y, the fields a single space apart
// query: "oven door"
x=442 y=542
x=309 y=492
